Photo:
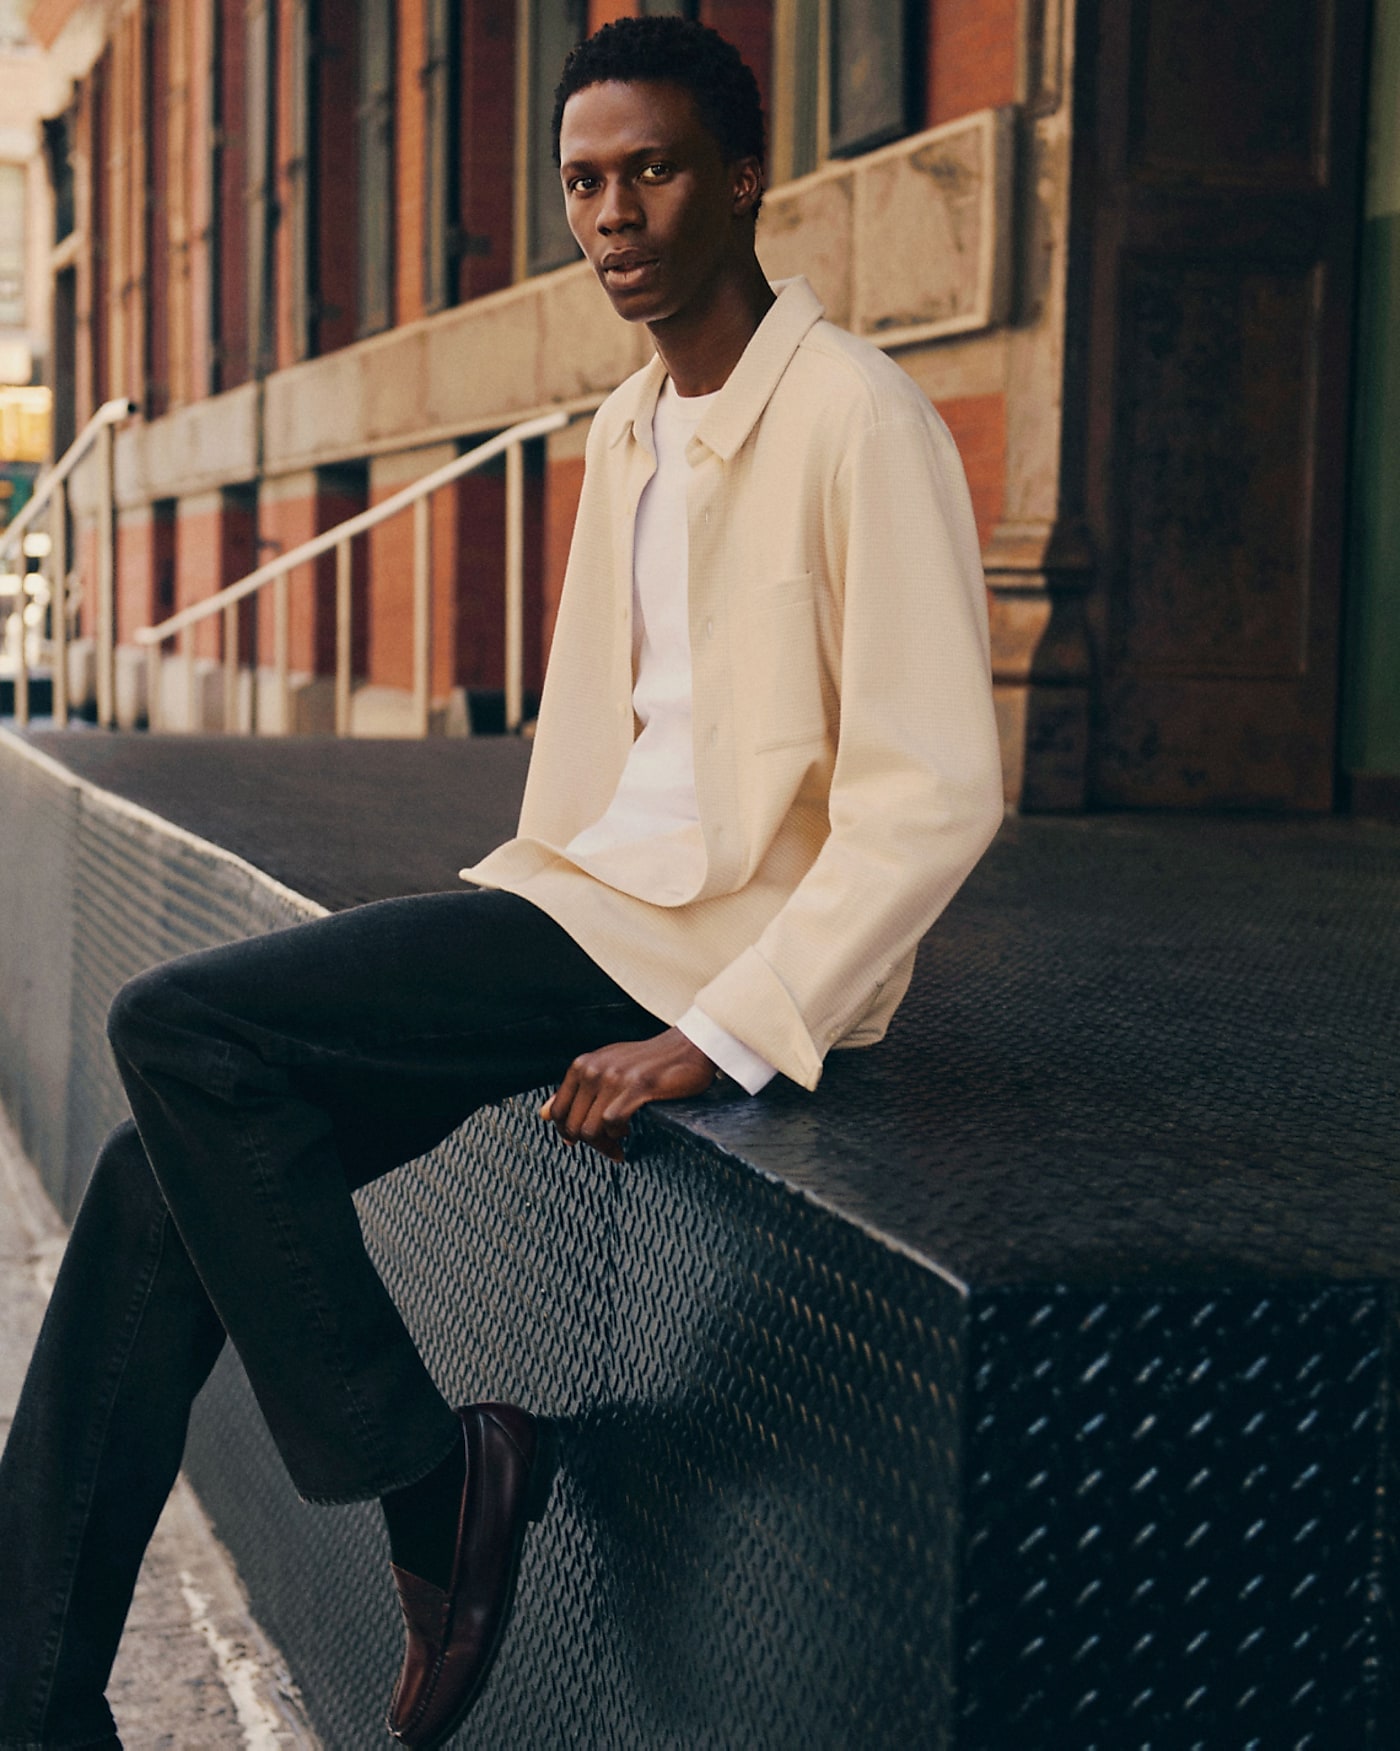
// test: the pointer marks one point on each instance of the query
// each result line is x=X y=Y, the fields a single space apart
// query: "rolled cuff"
x=738 y=1061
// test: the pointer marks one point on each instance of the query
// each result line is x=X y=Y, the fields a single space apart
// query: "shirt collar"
x=746 y=390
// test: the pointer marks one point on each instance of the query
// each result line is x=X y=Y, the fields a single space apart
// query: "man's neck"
x=701 y=344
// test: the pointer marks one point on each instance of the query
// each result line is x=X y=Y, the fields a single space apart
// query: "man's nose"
x=618 y=210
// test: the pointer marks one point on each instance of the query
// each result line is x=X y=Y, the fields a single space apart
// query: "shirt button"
x=709 y=629
x=714 y=734
x=707 y=516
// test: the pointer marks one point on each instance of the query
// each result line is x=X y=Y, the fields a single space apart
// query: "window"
x=375 y=113
x=554 y=27
x=12 y=215
x=155 y=67
x=58 y=145
x=875 y=74
x=330 y=177
x=440 y=131
x=469 y=200
x=258 y=147
x=228 y=277
x=847 y=78
x=98 y=97
x=299 y=174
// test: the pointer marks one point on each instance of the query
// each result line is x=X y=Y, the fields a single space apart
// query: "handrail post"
x=277 y=573
x=342 y=637
x=22 y=672
x=58 y=601
x=231 y=668
x=515 y=585
x=187 y=638
x=281 y=643
x=422 y=614
x=106 y=579
x=154 y=711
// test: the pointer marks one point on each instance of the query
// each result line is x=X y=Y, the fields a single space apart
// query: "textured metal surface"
x=751 y=1541
x=1027 y=1386
x=1133 y=1046
x=340 y=821
x=1171 y=1513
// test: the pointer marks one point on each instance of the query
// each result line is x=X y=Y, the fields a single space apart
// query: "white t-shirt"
x=656 y=792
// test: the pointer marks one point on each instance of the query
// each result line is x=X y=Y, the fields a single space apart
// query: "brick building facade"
x=321 y=246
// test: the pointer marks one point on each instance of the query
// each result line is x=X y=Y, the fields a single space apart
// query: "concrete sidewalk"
x=195 y=1673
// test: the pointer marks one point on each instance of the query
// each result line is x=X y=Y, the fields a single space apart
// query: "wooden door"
x=1220 y=146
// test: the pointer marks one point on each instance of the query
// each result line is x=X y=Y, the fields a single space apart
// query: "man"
x=765 y=761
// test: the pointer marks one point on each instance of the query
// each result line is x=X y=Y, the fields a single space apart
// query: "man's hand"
x=603 y=1089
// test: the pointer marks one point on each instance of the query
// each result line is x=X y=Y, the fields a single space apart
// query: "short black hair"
x=684 y=53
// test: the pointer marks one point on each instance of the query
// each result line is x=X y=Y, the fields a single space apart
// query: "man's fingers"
x=602 y=1090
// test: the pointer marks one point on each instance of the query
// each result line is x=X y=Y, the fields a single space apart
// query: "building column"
x=1037 y=559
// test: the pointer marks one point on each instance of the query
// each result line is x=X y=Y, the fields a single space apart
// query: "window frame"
x=376 y=123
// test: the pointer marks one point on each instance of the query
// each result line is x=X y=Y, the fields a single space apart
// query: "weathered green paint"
x=1371 y=680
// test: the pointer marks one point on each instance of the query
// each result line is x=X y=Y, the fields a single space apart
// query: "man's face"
x=644 y=179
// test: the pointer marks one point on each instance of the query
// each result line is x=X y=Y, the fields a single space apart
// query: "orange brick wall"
x=408 y=162
x=601 y=12
x=390 y=614
x=971 y=56
x=390 y=608
x=135 y=573
x=978 y=425
x=198 y=568
x=284 y=523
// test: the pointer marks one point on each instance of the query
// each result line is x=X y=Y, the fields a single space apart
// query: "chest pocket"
x=786 y=665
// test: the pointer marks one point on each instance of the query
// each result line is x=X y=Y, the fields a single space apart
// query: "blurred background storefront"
x=1141 y=254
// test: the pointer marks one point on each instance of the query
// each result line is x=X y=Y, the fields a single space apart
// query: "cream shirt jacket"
x=846 y=755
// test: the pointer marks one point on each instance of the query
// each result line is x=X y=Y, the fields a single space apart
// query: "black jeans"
x=267 y=1080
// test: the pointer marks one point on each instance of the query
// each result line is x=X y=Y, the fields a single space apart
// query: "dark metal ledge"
x=1029 y=1385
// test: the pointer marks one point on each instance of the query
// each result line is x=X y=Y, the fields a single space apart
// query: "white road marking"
x=239 y=1673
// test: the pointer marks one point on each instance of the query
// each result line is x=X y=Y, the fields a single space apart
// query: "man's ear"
x=747 y=175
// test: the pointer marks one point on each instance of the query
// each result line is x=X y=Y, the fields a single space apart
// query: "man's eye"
x=662 y=167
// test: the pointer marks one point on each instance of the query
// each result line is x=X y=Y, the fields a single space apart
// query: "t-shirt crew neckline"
x=690 y=405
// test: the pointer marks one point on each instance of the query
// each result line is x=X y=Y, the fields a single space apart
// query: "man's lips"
x=629 y=271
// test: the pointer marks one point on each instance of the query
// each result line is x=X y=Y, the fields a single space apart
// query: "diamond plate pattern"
x=1029 y=1386
x=1172 y=1505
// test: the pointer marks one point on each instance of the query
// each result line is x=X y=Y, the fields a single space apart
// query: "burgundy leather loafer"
x=453 y=1636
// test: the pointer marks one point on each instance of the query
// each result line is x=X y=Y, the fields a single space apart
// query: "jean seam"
x=287 y=1241
x=97 y=1441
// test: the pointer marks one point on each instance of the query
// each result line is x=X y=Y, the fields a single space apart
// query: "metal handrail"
x=416 y=495
x=53 y=486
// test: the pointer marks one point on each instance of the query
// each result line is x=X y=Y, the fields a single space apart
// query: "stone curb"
x=194 y=1672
